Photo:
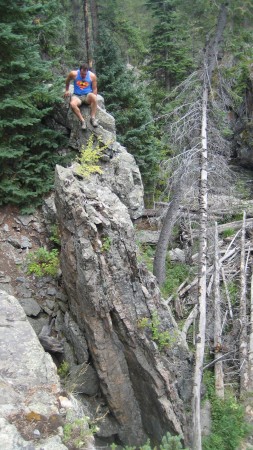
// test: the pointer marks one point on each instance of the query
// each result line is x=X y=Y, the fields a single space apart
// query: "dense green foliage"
x=129 y=24
x=163 y=339
x=127 y=100
x=170 y=53
x=228 y=422
x=168 y=442
x=27 y=145
x=90 y=156
x=167 y=34
x=43 y=262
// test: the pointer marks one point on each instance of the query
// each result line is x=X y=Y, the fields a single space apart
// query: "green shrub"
x=106 y=244
x=146 y=255
x=176 y=273
x=162 y=338
x=63 y=369
x=169 y=442
x=228 y=422
x=55 y=235
x=228 y=232
x=76 y=433
x=233 y=290
x=90 y=156
x=228 y=425
x=42 y=262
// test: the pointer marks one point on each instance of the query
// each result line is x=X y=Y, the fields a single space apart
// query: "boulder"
x=30 y=415
x=109 y=295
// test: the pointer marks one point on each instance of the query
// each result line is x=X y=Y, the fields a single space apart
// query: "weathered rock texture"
x=32 y=410
x=109 y=294
x=29 y=382
x=121 y=175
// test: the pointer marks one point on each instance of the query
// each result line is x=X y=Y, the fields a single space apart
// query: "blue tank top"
x=82 y=86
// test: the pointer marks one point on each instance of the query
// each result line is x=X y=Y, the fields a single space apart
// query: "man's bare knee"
x=91 y=99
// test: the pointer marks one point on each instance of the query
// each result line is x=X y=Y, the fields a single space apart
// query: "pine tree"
x=27 y=145
x=126 y=99
x=170 y=52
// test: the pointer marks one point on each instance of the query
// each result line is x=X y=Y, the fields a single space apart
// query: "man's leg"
x=92 y=101
x=75 y=102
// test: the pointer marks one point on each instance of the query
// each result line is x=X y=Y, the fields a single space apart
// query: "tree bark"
x=227 y=293
x=94 y=21
x=219 y=376
x=200 y=339
x=190 y=319
x=251 y=338
x=244 y=381
x=159 y=268
x=209 y=63
x=214 y=44
x=87 y=32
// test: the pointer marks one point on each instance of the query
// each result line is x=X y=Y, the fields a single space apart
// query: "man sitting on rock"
x=85 y=91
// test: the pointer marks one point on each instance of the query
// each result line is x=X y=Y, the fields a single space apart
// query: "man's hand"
x=67 y=94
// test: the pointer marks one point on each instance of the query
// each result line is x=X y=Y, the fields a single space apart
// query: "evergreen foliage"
x=27 y=146
x=129 y=23
x=127 y=100
x=170 y=53
x=228 y=422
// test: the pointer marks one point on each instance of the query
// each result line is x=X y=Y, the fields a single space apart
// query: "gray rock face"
x=83 y=379
x=109 y=295
x=122 y=174
x=30 y=415
x=29 y=382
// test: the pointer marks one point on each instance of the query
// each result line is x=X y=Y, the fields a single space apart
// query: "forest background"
x=150 y=59
x=162 y=41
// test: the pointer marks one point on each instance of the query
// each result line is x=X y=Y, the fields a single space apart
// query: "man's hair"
x=84 y=66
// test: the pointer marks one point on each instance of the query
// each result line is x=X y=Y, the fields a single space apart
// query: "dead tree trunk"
x=87 y=32
x=211 y=54
x=251 y=337
x=200 y=339
x=219 y=376
x=244 y=381
x=165 y=235
x=94 y=21
x=214 y=44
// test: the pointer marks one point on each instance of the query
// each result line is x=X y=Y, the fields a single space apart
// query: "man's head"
x=84 y=69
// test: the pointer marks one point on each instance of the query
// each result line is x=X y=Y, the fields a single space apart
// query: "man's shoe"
x=84 y=126
x=94 y=122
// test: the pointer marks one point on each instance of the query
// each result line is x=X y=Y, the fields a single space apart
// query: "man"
x=85 y=91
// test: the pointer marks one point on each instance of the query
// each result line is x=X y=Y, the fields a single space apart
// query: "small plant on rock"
x=42 y=262
x=106 y=244
x=89 y=157
x=169 y=442
x=162 y=338
x=55 y=235
x=63 y=369
x=76 y=434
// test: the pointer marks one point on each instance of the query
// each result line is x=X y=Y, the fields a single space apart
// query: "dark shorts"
x=82 y=98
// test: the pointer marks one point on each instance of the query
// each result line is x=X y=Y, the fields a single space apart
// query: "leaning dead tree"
x=218 y=369
x=203 y=201
x=251 y=337
x=88 y=39
x=169 y=221
x=200 y=341
x=183 y=126
x=243 y=351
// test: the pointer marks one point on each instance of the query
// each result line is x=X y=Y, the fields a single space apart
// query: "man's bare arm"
x=94 y=84
x=71 y=76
